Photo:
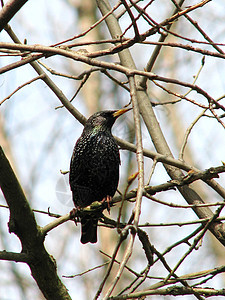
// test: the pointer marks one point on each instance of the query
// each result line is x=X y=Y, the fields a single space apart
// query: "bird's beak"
x=120 y=112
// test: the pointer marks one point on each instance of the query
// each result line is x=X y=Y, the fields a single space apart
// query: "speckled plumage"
x=94 y=167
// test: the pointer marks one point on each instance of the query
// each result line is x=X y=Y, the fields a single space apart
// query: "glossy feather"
x=94 y=168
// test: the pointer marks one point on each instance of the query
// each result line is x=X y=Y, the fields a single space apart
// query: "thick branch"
x=13 y=256
x=153 y=127
x=128 y=67
x=22 y=222
x=9 y=10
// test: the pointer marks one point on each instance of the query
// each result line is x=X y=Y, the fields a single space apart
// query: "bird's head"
x=104 y=120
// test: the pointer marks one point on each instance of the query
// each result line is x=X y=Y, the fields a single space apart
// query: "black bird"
x=94 y=167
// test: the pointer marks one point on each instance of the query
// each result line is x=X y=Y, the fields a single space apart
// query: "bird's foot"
x=73 y=215
x=107 y=199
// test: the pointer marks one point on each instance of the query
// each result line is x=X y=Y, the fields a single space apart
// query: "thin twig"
x=196 y=241
x=125 y=259
x=123 y=236
x=21 y=86
x=187 y=133
x=152 y=171
x=87 y=271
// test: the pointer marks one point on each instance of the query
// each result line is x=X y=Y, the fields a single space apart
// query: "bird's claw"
x=73 y=215
x=107 y=199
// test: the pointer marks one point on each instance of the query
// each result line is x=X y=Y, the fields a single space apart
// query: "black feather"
x=94 y=168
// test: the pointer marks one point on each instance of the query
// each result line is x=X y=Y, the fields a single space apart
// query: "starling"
x=94 y=167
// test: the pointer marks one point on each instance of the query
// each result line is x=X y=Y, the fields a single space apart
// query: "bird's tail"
x=89 y=229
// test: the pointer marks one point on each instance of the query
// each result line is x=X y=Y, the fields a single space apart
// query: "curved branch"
x=154 y=129
x=22 y=222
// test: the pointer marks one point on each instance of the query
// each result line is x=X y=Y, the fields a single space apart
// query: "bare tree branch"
x=9 y=10
x=12 y=256
x=153 y=126
x=78 y=56
x=22 y=222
